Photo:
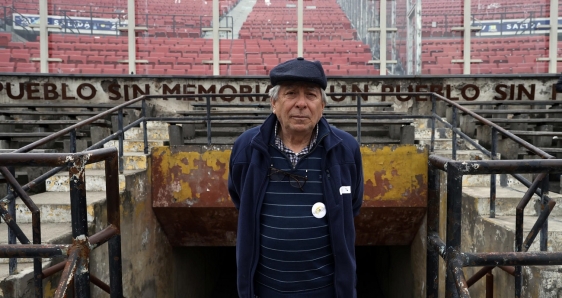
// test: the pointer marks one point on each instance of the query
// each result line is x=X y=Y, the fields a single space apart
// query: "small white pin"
x=319 y=210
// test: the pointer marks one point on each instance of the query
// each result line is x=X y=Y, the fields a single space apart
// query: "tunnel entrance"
x=210 y=272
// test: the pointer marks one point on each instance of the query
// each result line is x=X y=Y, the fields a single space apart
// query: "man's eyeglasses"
x=295 y=180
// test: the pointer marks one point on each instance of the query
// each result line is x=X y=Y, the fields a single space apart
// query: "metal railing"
x=449 y=251
x=76 y=267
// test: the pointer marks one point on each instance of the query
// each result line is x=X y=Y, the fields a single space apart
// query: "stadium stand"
x=174 y=42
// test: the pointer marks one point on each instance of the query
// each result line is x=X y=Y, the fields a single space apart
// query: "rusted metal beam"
x=489 y=285
x=432 y=260
x=103 y=236
x=13 y=225
x=478 y=275
x=33 y=250
x=54 y=159
x=437 y=244
x=439 y=162
x=509 y=269
x=115 y=267
x=512 y=258
x=100 y=284
x=37 y=181
x=508 y=166
x=114 y=219
x=78 y=204
x=541 y=220
x=454 y=266
x=454 y=217
x=82 y=274
x=67 y=276
x=53 y=269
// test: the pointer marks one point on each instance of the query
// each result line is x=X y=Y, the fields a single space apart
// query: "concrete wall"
x=148 y=258
x=57 y=89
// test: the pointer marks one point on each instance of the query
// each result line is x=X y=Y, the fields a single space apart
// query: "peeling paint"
x=191 y=200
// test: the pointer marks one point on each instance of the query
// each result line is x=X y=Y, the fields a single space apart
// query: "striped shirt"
x=295 y=249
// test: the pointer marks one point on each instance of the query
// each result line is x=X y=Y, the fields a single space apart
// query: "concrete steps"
x=131 y=161
x=483 y=234
x=95 y=181
x=54 y=207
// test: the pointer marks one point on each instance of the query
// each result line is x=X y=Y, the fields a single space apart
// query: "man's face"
x=298 y=108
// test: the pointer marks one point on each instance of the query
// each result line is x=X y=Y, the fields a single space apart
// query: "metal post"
x=131 y=42
x=73 y=141
x=358 y=98
x=114 y=218
x=454 y=139
x=553 y=37
x=115 y=267
x=208 y=120
x=489 y=285
x=121 y=139
x=91 y=21
x=382 y=40
x=43 y=37
x=454 y=216
x=13 y=262
x=494 y=149
x=432 y=267
x=216 y=47
x=433 y=115
x=467 y=31
x=144 y=128
x=544 y=202
x=78 y=209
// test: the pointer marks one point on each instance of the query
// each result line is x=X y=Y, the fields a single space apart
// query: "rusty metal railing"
x=76 y=269
x=450 y=251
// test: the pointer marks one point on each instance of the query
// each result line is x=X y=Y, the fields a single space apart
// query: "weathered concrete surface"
x=95 y=181
x=483 y=234
x=134 y=145
x=148 y=261
x=136 y=133
x=191 y=201
x=55 y=207
x=121 y=89
x=131 y=161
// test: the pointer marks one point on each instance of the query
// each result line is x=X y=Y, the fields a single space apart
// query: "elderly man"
x=297 y=183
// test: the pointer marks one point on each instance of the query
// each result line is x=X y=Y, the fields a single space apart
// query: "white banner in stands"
x=513 y=26
x=69 y=24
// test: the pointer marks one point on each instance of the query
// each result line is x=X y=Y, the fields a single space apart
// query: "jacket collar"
x=267 y=129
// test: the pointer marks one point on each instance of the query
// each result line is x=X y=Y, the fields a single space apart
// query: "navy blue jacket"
x=247 y=182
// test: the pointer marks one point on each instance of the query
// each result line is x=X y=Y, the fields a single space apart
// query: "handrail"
x=505 y=132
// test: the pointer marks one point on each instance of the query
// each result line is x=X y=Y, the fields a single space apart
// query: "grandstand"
x=168 y=123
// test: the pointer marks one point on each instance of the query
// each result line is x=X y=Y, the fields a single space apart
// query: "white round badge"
x=319 y=210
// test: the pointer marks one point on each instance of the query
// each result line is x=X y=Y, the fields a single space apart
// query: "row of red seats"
x=196 y=70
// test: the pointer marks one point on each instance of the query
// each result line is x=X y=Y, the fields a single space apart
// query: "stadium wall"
x=98 y=89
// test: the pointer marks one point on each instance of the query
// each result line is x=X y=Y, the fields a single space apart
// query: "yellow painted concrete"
x=398 y=170
x=187 y=163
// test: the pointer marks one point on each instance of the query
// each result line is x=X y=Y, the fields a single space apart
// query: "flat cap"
x=299 y=70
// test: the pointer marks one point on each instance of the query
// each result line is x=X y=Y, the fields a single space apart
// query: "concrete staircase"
x=483 y=234
x=55 y=208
